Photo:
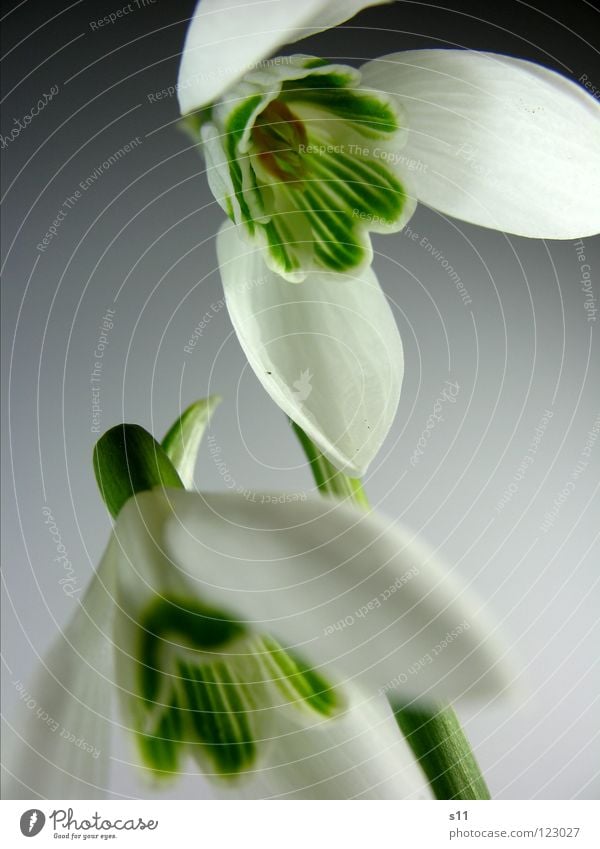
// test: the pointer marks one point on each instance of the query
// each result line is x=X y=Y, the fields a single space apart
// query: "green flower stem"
x=328 y=479
x=435 y=735
x=438 y=741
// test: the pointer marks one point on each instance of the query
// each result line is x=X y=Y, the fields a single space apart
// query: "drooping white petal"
x=226 y=38
x=327 y=350
x=57 y=746
x=361 y=755
x=350 y=592
x=498 y=141
x=159 y=623
x=193 y=684
x=217 y=171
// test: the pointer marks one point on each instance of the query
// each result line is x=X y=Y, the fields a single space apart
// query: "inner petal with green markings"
x=207 y=688
x=308 y=162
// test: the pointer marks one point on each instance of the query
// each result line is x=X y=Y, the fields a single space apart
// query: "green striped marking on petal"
x=218 y=717
x=370 y=115
x=235 y=128
x=207 y=687
x=160 y=746
x=312 y=161
x=341 y=197
x=315 y=62
x=171 y=622
x=281 y=247
x=300 y=685
x=335 y=243
x=361 y=183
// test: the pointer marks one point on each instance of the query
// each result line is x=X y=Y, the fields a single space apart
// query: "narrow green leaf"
x=127 y=460
x=182 y=441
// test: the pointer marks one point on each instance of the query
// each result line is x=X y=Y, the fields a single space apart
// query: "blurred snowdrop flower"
x=215 y=619
x=308 y=157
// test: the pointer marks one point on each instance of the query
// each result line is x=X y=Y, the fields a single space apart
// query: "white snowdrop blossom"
x=215 y=619
x=302 y=157
x=308 y=157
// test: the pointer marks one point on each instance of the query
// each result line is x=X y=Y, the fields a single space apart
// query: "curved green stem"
x=438 y=741
x=328 y=479
x=434 y=735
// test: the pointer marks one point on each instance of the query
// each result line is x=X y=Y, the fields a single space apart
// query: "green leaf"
x=127 y=460
x=183 y=439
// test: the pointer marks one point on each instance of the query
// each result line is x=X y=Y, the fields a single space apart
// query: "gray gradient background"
x=140 y=241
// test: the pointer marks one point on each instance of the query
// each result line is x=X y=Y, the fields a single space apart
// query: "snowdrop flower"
x=250 y=641
x=308 y=157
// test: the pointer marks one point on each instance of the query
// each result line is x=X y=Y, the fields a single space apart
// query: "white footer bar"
x=302 y=825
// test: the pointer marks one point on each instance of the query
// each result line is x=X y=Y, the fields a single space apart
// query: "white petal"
x=362 y=755
x=327 y=350
x=58 y=744
x=226 y=39
x=217 y=171
x=346 y=589
x=358 y=754
x=498 y=141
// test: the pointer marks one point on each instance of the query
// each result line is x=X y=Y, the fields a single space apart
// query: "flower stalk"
x=435 y=735
x=439 y=743
x=329 y=480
